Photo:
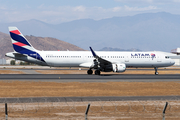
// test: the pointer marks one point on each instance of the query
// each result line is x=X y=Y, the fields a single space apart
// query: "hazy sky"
x=58 y=11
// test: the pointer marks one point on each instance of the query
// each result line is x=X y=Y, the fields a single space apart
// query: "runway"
x=90 y=78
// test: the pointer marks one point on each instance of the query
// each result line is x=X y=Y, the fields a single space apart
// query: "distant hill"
x=118 y=49
x=147 y=31
x=40 y=43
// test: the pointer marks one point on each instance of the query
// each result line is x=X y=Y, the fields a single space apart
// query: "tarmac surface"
x=90 y=78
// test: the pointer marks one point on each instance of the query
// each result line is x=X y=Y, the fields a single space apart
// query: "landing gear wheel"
x=97 y=72
x=89 y=72
x=156 y=73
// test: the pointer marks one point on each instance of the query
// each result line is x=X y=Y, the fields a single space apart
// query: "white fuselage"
x=85 y=58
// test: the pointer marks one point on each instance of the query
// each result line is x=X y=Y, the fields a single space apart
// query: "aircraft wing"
x=100 y=60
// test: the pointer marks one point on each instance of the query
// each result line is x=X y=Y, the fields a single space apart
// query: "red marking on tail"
x=15 y=32
x=19 y=44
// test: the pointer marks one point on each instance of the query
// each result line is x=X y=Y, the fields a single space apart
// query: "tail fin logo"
x=18 y=38
x=19 y=44
x=15 y=32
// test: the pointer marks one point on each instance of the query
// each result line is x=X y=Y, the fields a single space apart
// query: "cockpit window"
x=167 y=57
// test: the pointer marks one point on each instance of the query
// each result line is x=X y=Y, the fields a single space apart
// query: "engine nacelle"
x=119 y=67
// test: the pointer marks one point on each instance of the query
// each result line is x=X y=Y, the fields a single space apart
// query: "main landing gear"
x=90 y=72
x=156 y=73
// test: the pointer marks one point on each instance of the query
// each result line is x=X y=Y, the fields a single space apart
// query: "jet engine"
x=118 y=67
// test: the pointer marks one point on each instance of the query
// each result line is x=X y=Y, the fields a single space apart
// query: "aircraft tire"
x=97 y=72
x=156 y=73
x=89 y=72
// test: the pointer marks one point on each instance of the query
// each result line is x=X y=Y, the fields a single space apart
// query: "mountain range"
x=147 y=31
x=118 y=49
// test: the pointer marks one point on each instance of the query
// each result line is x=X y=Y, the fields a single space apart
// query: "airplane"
x=100 y=61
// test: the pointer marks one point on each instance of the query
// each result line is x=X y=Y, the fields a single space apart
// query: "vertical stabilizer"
x=19 y=42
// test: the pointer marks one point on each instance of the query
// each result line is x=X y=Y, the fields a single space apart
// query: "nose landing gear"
x=156 y=73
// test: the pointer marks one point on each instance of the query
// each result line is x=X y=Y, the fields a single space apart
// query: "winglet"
x=94 y=54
